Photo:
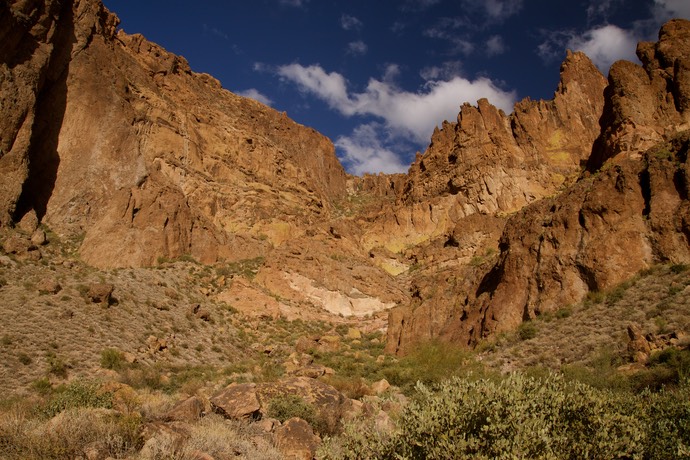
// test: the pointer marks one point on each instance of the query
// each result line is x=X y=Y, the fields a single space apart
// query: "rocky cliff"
x=109 y=135
x=626 y=212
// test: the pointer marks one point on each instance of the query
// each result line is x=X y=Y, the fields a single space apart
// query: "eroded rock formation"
x=629 y=211
x=110 y=135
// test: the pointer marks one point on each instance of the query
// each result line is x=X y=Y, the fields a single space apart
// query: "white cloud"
x=350 y=22
x=357 y=48
x=667 y=9
x=495 y=45
x=363 y=152
x=253 y=93
x=446 y=71
x=605 y=44
x=500 y=10
x=601 y=9
x=410 y=115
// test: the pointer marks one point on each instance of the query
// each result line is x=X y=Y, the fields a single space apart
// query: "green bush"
x=56 y=365
x=429 y=363
x=78 y=394
x=527 y=330
x=112 y=359
x=523 y=417
x=284 y=407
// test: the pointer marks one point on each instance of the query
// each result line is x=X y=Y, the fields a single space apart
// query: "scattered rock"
x=101 y=293
x=329 y=343
x=237 y=401
x=296 y=440
x=29 y=222
x=638 y=346
x=305 y=344
x=163 y=437
x=380 y=387
x=49 y=286
x=15 y=244
x=198 y=311
x=267 y=424
x=5 y=261
x=156 y=345
x=39 y=238
x=190 y=410
x=328 y=402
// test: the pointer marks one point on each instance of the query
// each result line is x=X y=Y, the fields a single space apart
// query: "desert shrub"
x=601 y=372
x=68 y=435
x=668 y=424
x=112 y=359
x=142 y=376
x=284 y=407
x=56 y=365
x=516 y=417
x=42 y=386
x=679 y=268
x=527 y=330
x=669 y=367
x=352 y=387
x=77 y=394
x=594 y=297
x=429 y=363
x=24 y=359
x=564 y=312
x=216 y=437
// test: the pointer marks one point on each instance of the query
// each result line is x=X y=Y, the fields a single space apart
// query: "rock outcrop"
x=490 y=163
x=625 y=215
x=108 y=135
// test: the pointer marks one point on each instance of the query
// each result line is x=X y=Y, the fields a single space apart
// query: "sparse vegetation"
x=112 y=359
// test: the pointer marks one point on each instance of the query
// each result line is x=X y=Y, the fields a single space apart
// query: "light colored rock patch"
x=355 y=303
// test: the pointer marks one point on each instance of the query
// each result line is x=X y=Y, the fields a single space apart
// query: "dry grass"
x=68 y=435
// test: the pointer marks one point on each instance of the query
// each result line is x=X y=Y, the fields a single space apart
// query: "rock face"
x=108 y=134
x=489 y=163
x=630 y=212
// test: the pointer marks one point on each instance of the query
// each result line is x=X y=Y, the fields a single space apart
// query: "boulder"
x=38 y=237
x=237 y=401
x=49 y=286
x=101 y=293
x=638 y=346
x=380 y=387
x=189 y=410
x=156 y=345
x=296 y=440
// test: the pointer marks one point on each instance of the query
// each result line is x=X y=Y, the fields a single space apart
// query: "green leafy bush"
x=284 y=407
x=78 y=394
x=523 y=417
x=112 y=359
x=527 y=330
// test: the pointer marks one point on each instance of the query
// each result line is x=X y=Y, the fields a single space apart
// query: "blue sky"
x=376 y=76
